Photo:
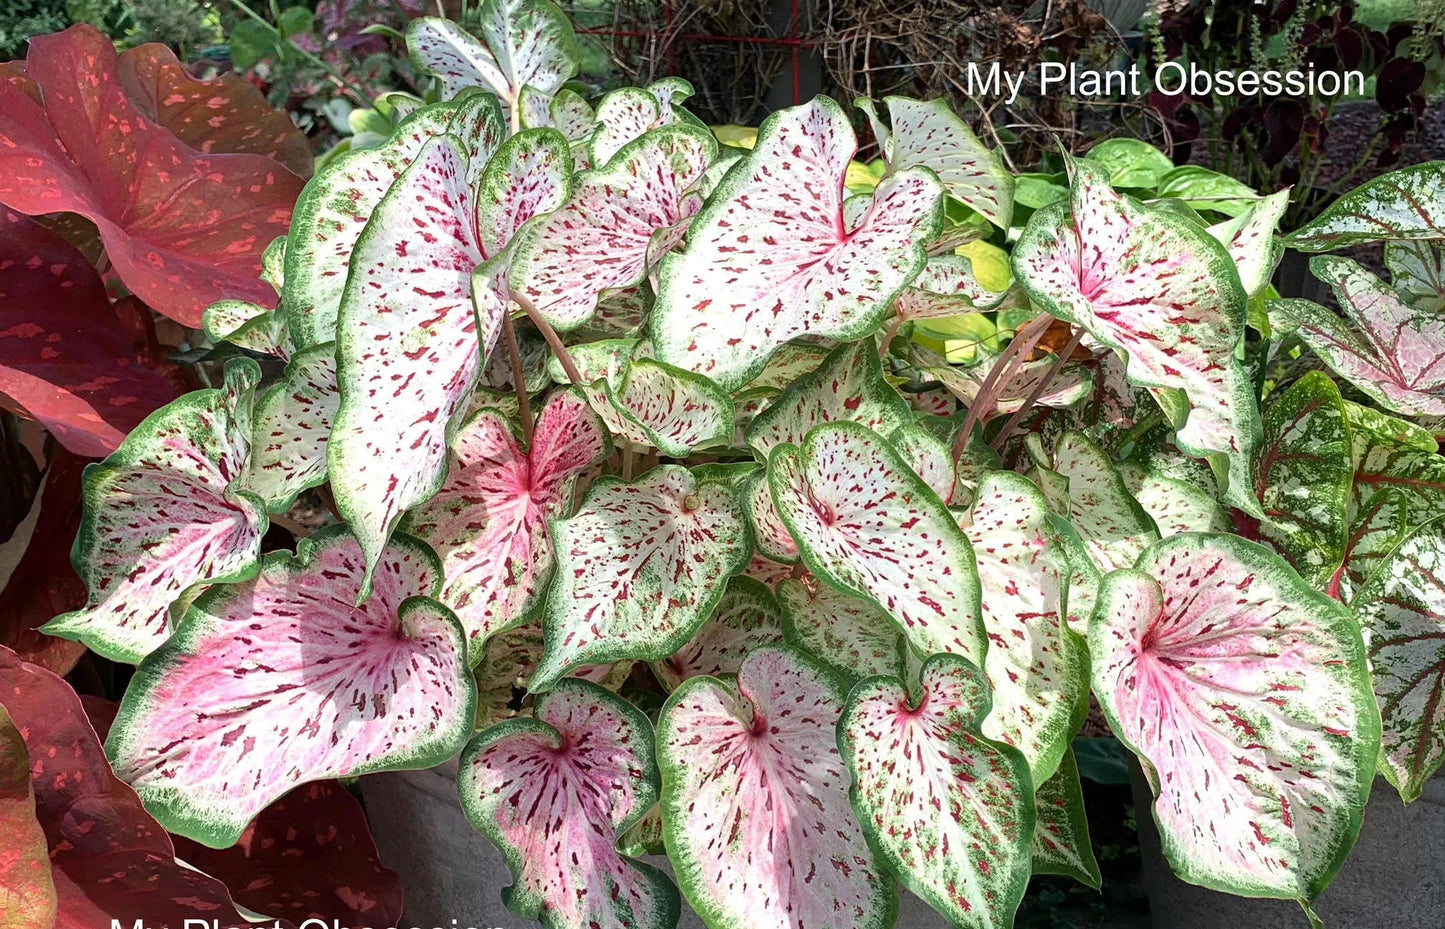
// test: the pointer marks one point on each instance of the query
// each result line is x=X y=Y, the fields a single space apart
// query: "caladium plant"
x=656 y=498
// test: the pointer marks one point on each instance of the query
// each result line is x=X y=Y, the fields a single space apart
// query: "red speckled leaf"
x=948 y=810
x=525 y=43
x=1406 y=204
x=1247 y=696
x=248 y=325
x=181 y=229
x=755 y=806
x=770 y=258
x=505 y=673
x=770 y=535
x=747 y=618
x=280 y=680
x=27 y=890
x=946 y=287
x=1065 y=388
x=1251 y=241
x=848 y=634
x=1094 y=498
x=292 y=426
x=1061 y=827
x=628 y=113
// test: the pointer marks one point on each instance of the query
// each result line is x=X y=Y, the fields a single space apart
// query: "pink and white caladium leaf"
x=1155 y=285
x=1388 y=349
x=746 y=618
x=755 y=806
x=930 y=135
x=851 y=636
x=847 y=387
x=1417 y=269
x=628 y=113
x=248 y=325
x=488 y=522
x=769 y=258
x=1065 y=388
x=166 y=511
x=616 y=223
x=1097 y=503
x=867 y=524
x=1304 y=475
x=949 y=810
x=1408 y=204
x=1402 y=611
x=524 y=43
x=639 y=567
x=291 y=427
x=281 y=680
x=931 y=459
x=1174 y=504
x=1251 y=241
x=945 y=287
x=554 y=793
x=1037 y=670
x=1061 y=827
x=1247 y=697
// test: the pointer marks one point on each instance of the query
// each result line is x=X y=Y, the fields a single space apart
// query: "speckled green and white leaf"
x=931 y=459
x=867 y=524
x=1175 y=505
x=1417 y=270
x=1061 y=827
x=645 y=836
x=790 y=362
x=532 y=347
x=292 y=424
x=948 y=810
x=281 y=680
x=553 y=793
x=767 y=571
x=1406 y=204
x=1072 y=383
x=945 y=287
x=639 y=567
x=602 y=237
x=747 y=404
x=755 y=802
x=409 y=345
x=621 y=314
x=524 y=43
x=1251 y=241
x=1114 y=527
x=163 y=513
x=746 y=618
x=770 y=534
x=1157 y=286
x=936 y=401
x=530 y=174
x=505 y=672
x=572 y=115
x=769 y=258
x=1037 y=670
x=930 y=135
x=488 y=522
x=249 y=326
x=850 y=635
x=847 y=387
x=273 y=263
x=1247 y=696
x=1303 y=477
x=1084 y=575
x=1402 y=611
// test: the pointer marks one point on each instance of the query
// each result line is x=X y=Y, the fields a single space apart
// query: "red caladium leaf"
x=639 y=567
x=1155 y=285
x=746 y=618
x=554 y=793
x=66 y=357
x=617 y=223
x=948 y=810
x=489 y=520
x=1247 y=697
x=1251 y=241
x=528 y=43
x=1037 y=670
x=769 y=258
x=628 y=113
x=1407 y=204
x=932 y=460
x=26 y=887
x=292 y=424
x=1388 y=349
x=1061 y=827
x=791 y=361
x=766 y=570
x=163 y=513
x=181 y=229
x=850 y=635
x=737 y=761
x=866 y=523
x=280 y=680
x=930 y=135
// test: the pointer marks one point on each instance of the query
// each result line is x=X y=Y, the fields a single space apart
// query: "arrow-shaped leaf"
x=528 y=43
x=1407 y=204
x=1061 y=827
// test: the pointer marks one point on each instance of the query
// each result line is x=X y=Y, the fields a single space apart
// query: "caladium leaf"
x=163 y=513
x=737 y=761
x=1061 y=827
x=1407 y=204
x=847 y=387
x=530 y=174
x=628 y=113
x=1262 y=770
x=1174 y=504
x=790 y=362
x=848 y=634
x=488 y=522
x=1155 y=285
x=930 y=135
x=1303 y=477
x=528 y=43
x=505 y=673
x=769 y=257
x=746 y=618
x=1417 y=270
x=616 y=223
x=767 y=571
x=1037 y=671
x=26 y=885
x=932 y=460
x=1388 y=349
x=285 y=682
x=292 y=424
x=1065 y=388
x=554 y=793
x=770 y=534
x=1251 y=241
x=639 y=567
x=1114 y=527
x=947 y=809
x=946 y=287
x=248 y=325
x=866 y=523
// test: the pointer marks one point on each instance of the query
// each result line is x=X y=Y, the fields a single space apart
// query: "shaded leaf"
x=1061 y=827
x=848 y=634
x=746 y=618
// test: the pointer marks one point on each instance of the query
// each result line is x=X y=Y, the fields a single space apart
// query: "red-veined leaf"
x=530 y=174
x=1061 y=827
x=850 y=635
x=746 y=618
x=1251 y=242
x=791 y=361
x=528 y=43
x=27 y=889
x=1417 y=270
x=764 y=569
x=628 y=113
x=292 y=425
x=1407 y=204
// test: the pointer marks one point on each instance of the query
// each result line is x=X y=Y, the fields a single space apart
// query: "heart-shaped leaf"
x=747 y=618
x=292 y=425
x=554 y=793
x=740 y=760
x=948 y=810
x=505 y=673
x=769 y=258
x=1406 y=204
x=851 y=636
x=528 y=43
x=280 y=680
x=1061 y=827
x=27 y=887
x=1263 y=768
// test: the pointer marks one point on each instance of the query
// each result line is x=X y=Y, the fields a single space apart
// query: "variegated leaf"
x=932 y=460
x=790 y=362
x=1417 y=270
x=746 y=618
x=947 y=809
x=1065 y=388
x=292 y=424
x=1061 y=827
x=755 y=802
x=628 y=113
x=770 y=258
x=1114 y=527
x=767 y=571
x=1246 y=694
x=1251 y=242
x=531 y=174
x=770 y=534
x=850 y=635
x=249 y=326
x=510 y=658
x=281 y=680
x=1174 y=504
x=945 y=287
x=1408 y=204
x=525 y=43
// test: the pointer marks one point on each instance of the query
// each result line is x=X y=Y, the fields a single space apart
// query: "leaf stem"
x=554 y=342
x=1022 y=343
x=888 y=336
x=1038 y=391
x=519 y=378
